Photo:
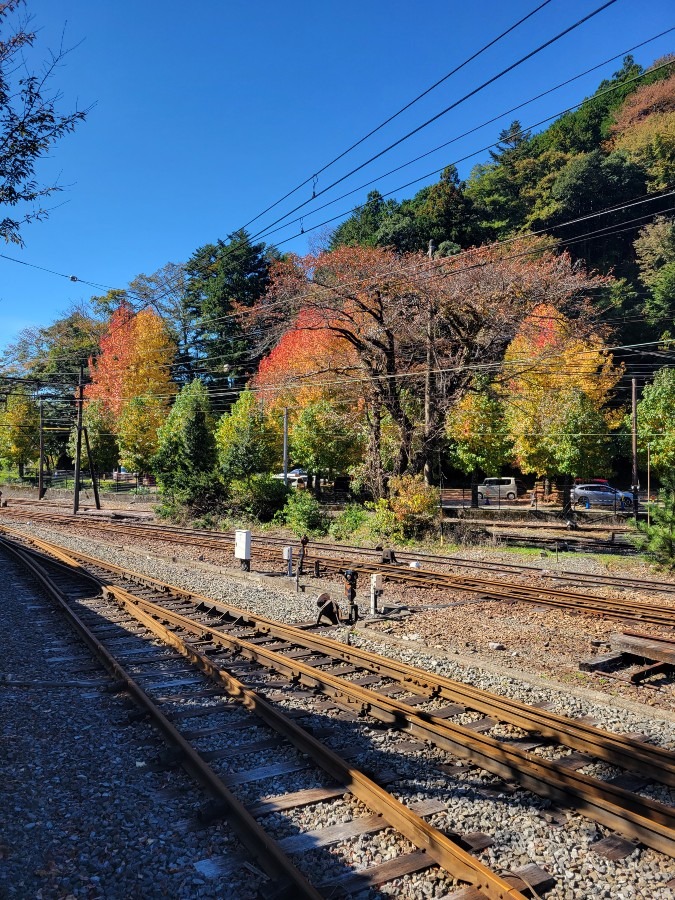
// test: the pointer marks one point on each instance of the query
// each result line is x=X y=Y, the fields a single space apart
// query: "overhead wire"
x=449 y=108
x=399 y=112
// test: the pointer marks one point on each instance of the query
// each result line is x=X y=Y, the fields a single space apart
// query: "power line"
x=448 y=109
x=403 y=109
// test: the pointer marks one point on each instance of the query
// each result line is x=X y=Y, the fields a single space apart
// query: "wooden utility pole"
x=78 y=450
x=634 y=485
x=41 y=486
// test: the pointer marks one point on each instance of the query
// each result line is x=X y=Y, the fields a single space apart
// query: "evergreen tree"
x=224 y=279
x=657 y=540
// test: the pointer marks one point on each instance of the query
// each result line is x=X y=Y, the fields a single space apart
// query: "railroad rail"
x=223 y=541
x=160 y=690
x=352 y=678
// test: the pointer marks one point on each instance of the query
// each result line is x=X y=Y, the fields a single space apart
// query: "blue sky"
x=205 y=113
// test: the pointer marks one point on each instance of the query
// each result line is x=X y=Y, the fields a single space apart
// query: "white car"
x=500 y=489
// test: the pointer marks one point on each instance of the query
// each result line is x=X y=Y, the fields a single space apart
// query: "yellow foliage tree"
x=19 y=430
x=556 y=387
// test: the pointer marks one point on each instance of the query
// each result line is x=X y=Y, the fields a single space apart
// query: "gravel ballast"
x=523 y=826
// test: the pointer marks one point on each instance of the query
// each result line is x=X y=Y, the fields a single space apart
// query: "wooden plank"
x=662 y=651
x=297 y=799
x=352 y=882
x=523 y=879
x=574 y=761
x=614 y=847
x=602 y=663
x=448 y=712
x=335 y=834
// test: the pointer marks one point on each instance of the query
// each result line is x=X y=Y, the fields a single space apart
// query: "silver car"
x=601 y=495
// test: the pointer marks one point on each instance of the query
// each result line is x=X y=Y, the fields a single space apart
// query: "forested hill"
x=615 y=153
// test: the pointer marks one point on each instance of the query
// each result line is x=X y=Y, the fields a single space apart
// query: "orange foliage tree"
x=131 y=380
x=417 y=327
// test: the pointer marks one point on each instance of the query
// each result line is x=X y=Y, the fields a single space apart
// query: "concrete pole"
x=78 y=449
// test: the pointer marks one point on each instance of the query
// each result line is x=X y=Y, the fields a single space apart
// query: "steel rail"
x=263 y=847
x=645 y=759
x=216 y=540
x=441 y=849
x=634 y=816
x=650 y=822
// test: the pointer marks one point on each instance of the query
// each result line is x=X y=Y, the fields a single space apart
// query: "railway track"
x=267 y=546
x=217 y=719
x=224 y=640
x=636 y=611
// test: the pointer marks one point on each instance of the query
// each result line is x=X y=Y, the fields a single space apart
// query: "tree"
x=657 y=539
x=185 y=461
x=655 y=249
x=477 y=431
x=557 y=386
x=131 y=380
x=247 y=441
x=19 y=428
x=418 y=327
x=325 y=441
x=656 y=425
x=30 y=126
x=224 y=280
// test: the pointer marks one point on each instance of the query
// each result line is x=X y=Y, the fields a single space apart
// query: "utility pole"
x=78 y=450
x=428 y=384
x=634 y=485
x=91 y=468
x=286 y=446
x=41 y=487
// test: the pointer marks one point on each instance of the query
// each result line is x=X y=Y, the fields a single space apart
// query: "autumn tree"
x=557 y=385
x=19 y=428
x=131 y=380
x=416 y=324
x=31 y=124
x=478 y=435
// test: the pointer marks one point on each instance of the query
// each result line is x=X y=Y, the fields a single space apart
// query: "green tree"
x=325 y=441
x=657 y=539
x=222 y=279
x=19 y=429
x=30 y=125
x=478 y=433
x=186 y=444
x=247 y=442
x=656 y=423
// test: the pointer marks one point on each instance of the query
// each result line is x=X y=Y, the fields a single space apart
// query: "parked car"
x=501 y=489
x=601 y=495
x=297 y=479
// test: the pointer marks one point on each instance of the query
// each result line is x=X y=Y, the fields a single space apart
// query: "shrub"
x=303 y=514
x=348 y=521
x=383 y=521
x=260 y=496
x=201 y=493
x=416 y=505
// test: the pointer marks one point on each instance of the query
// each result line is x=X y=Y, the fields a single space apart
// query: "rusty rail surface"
x=440 y=848
x=628 y=813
